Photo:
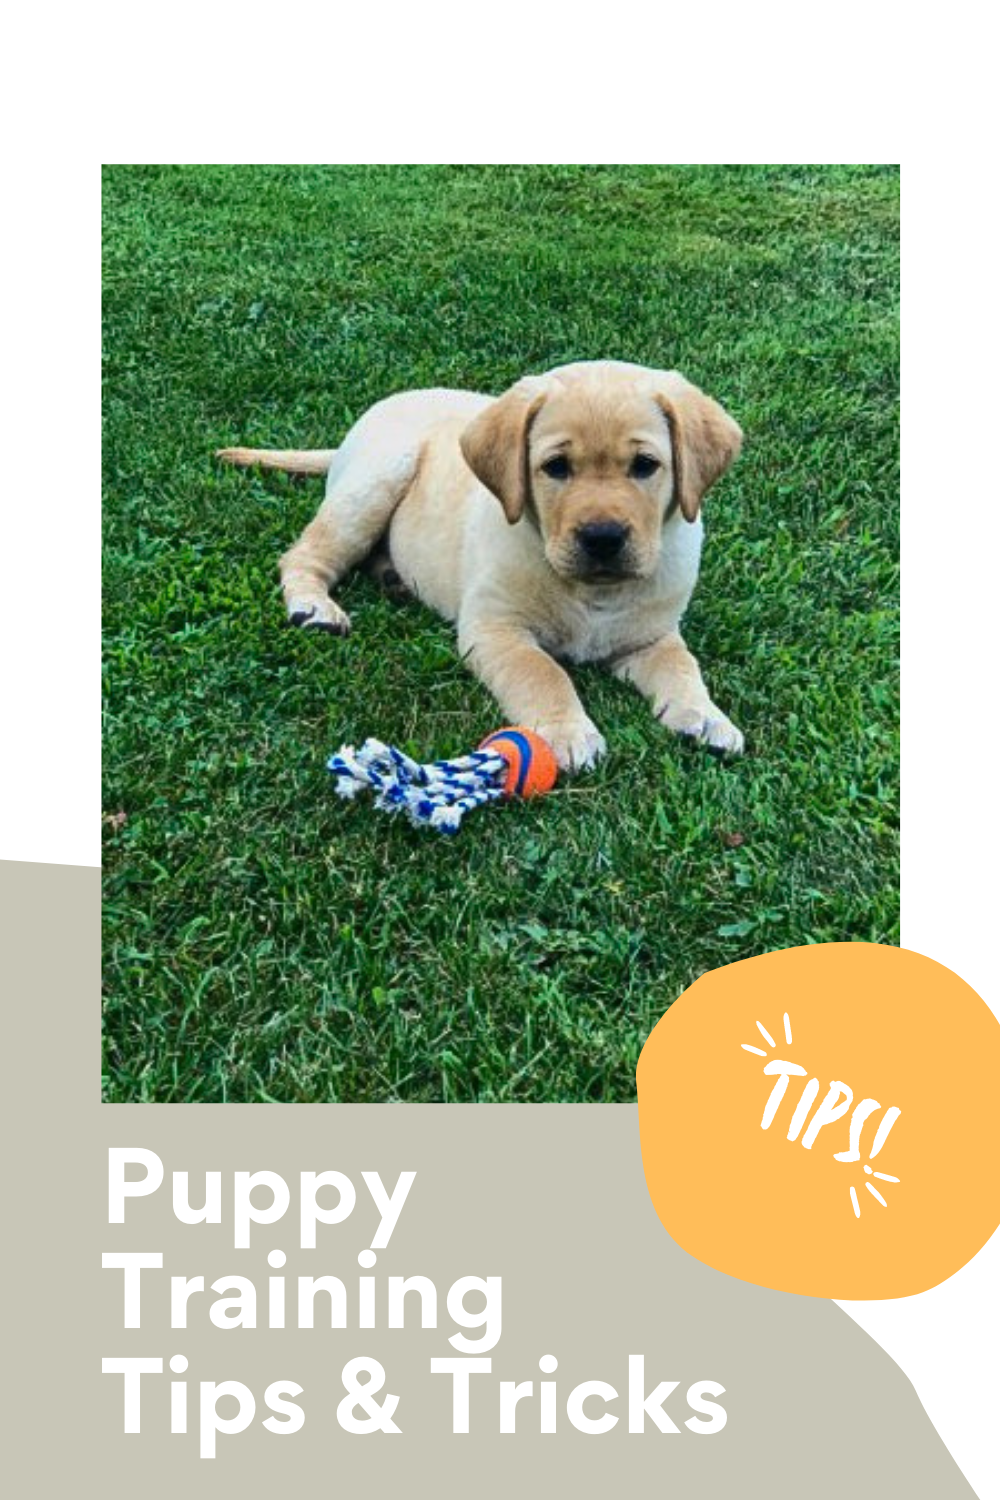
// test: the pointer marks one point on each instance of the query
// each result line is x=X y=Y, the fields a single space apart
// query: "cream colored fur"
x=483 y=524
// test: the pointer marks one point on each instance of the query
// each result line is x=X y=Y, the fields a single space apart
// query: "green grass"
x=265 y=941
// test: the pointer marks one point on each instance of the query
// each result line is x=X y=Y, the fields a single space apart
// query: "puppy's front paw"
x=318 y=614
x=577 y=744
x=705 y=723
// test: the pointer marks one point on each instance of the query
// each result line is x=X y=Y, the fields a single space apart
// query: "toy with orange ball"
x=512 y=762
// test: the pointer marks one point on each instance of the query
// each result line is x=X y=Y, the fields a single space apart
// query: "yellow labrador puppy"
x=591 y=554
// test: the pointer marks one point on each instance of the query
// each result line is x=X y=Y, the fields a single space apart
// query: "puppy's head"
x=598 y=456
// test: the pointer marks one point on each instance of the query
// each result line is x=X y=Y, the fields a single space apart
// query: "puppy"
x=557 y=523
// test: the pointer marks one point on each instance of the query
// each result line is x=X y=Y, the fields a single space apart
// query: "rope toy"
x=513 y=762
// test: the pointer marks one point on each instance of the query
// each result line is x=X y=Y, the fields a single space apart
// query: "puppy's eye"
x=643 y=466
x=556 y=467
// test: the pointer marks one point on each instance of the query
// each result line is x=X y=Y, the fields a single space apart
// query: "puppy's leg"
x=532 y=689
x=380 y=567
x=668 y=674
x=360 y=499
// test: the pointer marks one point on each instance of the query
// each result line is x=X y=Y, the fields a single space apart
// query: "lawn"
x=265 y=941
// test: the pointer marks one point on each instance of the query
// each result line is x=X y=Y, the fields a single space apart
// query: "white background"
x=527 y=83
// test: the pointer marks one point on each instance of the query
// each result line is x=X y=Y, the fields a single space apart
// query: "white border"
x=50 y=750
x=771 y=82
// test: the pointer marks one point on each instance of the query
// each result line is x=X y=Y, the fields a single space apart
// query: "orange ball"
x=531 y=765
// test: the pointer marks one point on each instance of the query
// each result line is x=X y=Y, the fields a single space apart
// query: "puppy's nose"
x=602 y=540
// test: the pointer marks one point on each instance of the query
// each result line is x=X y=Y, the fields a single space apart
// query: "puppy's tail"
x=289 y=460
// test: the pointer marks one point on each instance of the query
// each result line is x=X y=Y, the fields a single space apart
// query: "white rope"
x=436 y=795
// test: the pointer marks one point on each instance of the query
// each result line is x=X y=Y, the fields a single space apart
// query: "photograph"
x=501 y=613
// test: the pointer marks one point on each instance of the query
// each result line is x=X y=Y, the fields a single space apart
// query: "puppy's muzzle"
x=603 y=545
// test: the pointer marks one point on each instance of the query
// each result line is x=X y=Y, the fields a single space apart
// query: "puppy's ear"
x=495 y=446
x=704 y=438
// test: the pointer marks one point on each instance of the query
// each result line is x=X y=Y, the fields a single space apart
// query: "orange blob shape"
x=824 y=1120
x=532 y=767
